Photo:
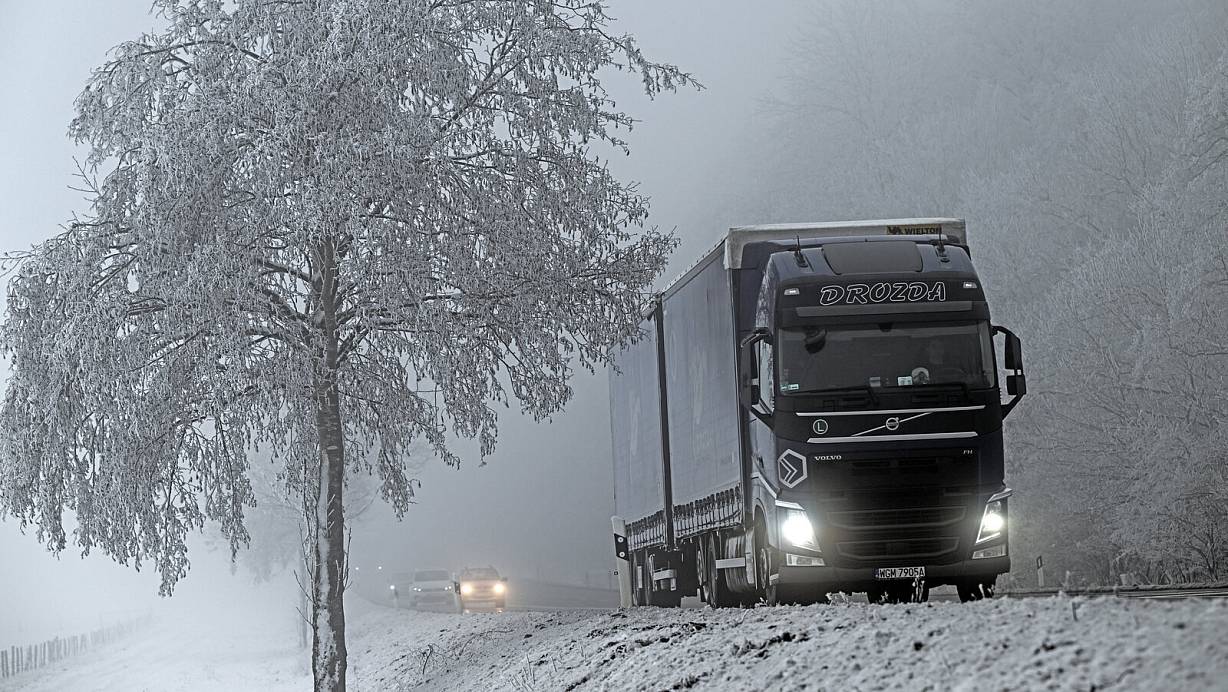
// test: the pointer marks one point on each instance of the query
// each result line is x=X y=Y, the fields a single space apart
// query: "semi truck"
x=816 y=408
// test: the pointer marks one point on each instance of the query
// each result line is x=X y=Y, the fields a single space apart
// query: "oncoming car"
x=433 y=589
x=482 y=588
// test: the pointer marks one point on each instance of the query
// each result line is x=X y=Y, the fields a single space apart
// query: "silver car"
x=433 y=589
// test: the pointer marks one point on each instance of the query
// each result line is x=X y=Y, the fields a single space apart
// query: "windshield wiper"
x=931 y=385
x=836 y=390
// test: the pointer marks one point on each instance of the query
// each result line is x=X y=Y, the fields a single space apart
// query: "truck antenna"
x=797 y=253
x=940 y=244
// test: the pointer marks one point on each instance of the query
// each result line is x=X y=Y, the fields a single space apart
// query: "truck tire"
x=766 y=566
x=716 y=592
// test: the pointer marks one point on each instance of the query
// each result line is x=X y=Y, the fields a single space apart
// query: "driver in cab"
x=937 y=365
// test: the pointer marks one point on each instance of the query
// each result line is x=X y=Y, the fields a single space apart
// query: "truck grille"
x=906 y=549
x=917 y=517
x=902 y=510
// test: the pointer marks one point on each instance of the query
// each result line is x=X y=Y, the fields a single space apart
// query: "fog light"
x=803 y=561
x=996 y=551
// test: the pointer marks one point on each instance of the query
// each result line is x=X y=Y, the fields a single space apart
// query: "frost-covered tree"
x=309 y=214
x=1084 y=142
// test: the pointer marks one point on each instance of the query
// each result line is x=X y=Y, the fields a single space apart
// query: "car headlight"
x=796 y=529
x=500 y=588
x=466 y=589
x=993 y=522
x=417 y=588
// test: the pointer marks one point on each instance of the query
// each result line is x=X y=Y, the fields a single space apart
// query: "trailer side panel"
x=700 y=357
x=635 y=423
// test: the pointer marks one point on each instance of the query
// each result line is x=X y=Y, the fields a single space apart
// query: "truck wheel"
x=716 y=592
x=765 y=567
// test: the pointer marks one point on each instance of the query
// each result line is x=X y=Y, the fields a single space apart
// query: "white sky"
x=508 y=512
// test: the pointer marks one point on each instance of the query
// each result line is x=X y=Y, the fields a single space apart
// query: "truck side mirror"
x=1016 y=380
x=1016 y=385
x=1014 y=351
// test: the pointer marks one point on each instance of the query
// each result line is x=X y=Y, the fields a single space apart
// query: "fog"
x=540 y=506
x=1072 y=136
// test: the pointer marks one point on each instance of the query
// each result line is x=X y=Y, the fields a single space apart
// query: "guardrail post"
x=622 y=561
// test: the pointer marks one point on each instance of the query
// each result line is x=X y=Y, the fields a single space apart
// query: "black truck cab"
x=875 y=436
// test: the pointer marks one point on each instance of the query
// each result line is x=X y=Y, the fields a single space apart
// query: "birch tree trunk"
x=328 y=659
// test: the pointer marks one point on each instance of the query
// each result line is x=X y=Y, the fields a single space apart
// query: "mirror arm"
x=1009 y=405
x=766 y=418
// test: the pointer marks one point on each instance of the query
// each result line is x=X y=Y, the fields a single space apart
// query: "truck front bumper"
x=854 y=579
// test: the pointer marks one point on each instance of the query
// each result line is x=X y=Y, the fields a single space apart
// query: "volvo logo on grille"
x=893 y=423
x=819 y=426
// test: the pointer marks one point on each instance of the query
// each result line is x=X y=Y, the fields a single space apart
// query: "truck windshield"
x=885 y=355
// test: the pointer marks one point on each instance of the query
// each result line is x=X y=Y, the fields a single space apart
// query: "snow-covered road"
x=1055 y=643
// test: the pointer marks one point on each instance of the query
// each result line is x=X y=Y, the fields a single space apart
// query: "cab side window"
x=767 y=380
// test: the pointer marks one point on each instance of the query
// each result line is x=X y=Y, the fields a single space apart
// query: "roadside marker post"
x=622 y=561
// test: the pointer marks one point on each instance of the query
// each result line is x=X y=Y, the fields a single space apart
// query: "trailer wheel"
x=716 y=592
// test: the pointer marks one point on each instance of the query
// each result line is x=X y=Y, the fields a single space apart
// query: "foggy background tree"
x=310 y=215
x=1085 y=144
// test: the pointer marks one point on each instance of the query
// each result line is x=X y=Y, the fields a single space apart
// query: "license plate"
x=899 y=572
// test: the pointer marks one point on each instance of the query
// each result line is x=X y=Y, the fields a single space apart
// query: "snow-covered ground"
x=1053 y=643
x=225 y=634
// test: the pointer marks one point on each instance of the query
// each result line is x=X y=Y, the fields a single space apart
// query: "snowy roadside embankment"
x=1055 y=643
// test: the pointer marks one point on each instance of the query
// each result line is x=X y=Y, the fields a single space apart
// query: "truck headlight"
x=466 y=589
x=500 y=588
x=796 y=529
x=993 y=522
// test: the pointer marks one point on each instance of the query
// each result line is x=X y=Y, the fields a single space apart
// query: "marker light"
x=993 y=522
x=969 y=284
x=796 y=529
x=466 y=589
x=500 y=588
x=792 y=292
